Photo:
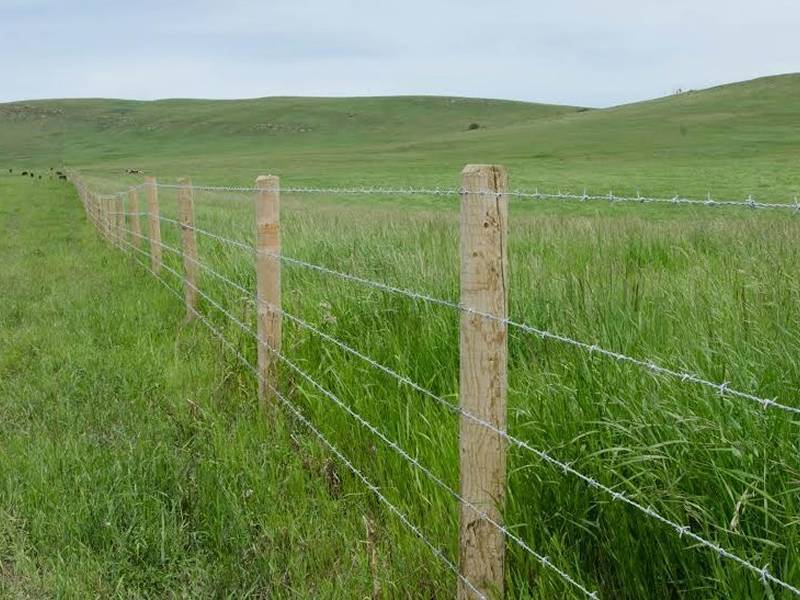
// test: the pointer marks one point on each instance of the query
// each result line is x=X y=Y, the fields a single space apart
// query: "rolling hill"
x=730 y=140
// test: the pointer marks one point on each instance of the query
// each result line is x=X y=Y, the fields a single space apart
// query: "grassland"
x=116 y=484
x=730 y=140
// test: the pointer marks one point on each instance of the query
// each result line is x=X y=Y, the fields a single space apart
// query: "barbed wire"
x=763 y=572
x=723 y=389
x=682 y=530
x=306 y=422
x=543 y=560
x=748 y=202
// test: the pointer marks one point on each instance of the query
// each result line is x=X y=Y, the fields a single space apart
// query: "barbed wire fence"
x=479 y=568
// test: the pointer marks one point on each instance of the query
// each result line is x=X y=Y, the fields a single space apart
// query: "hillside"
x=732 y=139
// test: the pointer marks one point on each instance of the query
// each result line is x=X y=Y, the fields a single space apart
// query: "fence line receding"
x=483 y=438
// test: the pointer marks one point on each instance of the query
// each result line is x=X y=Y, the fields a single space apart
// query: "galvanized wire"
x=723 y=389
x=682 y=530
x=341 y=456
x=543 y=560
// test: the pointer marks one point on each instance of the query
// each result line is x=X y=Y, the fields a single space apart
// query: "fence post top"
x=185 y=181
x=484 y=178
x=149 y=179
x=482 y=168
x=266 y=181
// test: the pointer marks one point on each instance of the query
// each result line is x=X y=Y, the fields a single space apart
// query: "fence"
x=483 y=356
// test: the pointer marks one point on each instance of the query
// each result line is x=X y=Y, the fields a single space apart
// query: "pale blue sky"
x=571 y=51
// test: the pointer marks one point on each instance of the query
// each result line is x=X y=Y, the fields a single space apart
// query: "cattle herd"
x=62 y=176
x=52 y=173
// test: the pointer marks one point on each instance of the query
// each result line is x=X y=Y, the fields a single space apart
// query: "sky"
x=564 y=52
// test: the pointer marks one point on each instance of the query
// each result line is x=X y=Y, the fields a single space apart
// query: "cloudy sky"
x=572 y=51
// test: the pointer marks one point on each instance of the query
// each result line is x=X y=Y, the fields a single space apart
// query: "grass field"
x=136 y=463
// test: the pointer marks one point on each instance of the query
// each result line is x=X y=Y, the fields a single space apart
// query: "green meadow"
x=135 y=462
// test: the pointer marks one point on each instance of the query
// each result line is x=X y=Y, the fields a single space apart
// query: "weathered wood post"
x=119 y=207
x=483 y=375
x=136 y=224
x=106 y=218
x=154 y=223
x=189 y=245
x=268 y=282
x=92 y=208
x=98 y=213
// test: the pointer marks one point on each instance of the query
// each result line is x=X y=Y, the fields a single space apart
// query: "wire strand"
x=296 y=412
x=723 y=389
x=543 y=560
x=681 y=530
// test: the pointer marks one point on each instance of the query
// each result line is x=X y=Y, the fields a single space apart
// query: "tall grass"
x=711 y=291
x=134 y=462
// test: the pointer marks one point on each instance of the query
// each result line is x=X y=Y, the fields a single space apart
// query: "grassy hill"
x=134 y=459
x=730 y=140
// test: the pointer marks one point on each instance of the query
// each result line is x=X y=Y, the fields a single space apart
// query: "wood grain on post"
x=136 y=224
x=189 y=245
x=154 y=223
x=268 y=282
x=483 y=376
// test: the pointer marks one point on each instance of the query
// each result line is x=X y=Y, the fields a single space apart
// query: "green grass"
x=133 y=459
x=97 y=365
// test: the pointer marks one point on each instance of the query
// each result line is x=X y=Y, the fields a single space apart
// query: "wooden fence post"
x=154 y=223
x=189 y=244
x=268 y=282
x=136 y=225
x=483 y=376
x=92 y=208
x=119 y=205
x=106 y=216
x=98 y=214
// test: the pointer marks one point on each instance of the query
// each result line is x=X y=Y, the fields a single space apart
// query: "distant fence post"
x=268 y=282
x=119 y=204
x=136 y=225
x=154 y=223
x=98 y=213
x=189 y=244
x=95 y=211
x=483 y=376
x=92 y=208
x=106 y=218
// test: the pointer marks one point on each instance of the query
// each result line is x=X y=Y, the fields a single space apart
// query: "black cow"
x=11 y=170
x=62 y=177
x=31 y=175
x=24 y=173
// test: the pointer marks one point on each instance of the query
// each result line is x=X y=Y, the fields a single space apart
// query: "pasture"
x=136 y=462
